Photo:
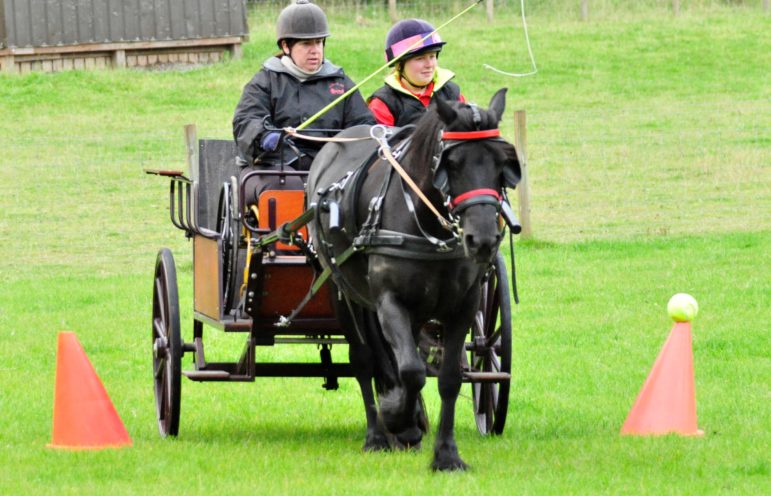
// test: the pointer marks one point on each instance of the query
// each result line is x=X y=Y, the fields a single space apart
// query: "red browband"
x=471 y=135
x=471 y=194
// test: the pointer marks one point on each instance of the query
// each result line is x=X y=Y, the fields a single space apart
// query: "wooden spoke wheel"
x=167 y=344
x=490 y=351
x=229 y=229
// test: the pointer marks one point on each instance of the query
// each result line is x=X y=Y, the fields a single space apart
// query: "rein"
x=397 y=243
x=386 y=151
x=461 y=201
x=379 y=133
x=293 y=132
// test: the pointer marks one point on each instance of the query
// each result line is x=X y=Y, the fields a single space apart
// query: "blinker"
x=455 y=138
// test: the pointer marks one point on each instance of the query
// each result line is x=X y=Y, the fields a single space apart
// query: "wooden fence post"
x=119 y=58
x=236 y=51
x=392 y=10
x=8 y=64
x=523 y=188
x=191 y=144
x=765 y=6
x=584 y=10
x=676 y=7
x=490 y=10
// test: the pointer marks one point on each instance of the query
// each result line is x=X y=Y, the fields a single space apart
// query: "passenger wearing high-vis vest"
x=416 y=78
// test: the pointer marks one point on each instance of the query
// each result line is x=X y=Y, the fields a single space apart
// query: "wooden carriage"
x=254 y=273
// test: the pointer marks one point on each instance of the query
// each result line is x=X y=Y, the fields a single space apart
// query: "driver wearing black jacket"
x=290 y=88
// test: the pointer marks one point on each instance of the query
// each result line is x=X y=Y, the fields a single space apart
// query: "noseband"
x=483 y=196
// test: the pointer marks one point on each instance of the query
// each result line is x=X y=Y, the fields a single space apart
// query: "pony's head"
x=472 y=167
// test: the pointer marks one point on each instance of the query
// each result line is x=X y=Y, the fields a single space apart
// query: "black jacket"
x=407 y=108
x=287 y=102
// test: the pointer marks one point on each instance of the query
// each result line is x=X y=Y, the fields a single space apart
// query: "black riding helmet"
x=301 y=20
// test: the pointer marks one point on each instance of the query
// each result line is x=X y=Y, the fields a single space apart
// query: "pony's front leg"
x=446 y=456
x=362 y=364
x=398 y=406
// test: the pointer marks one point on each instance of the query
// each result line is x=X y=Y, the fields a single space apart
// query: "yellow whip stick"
x=393 y=61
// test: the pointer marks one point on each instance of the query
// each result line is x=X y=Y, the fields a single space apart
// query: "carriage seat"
x=288 y=275
x=275 y=207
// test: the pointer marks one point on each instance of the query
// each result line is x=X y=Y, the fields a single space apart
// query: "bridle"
x=482 y=196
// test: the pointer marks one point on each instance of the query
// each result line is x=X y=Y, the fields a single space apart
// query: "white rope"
x=529 y=50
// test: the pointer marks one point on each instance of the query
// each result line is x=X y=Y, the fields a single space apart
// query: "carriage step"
x=486 y=376
x=206 y=375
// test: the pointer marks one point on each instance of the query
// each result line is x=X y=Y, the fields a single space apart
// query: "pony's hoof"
x=375 y=443
x=449 y=465
x=409 y=439
x=446 y=458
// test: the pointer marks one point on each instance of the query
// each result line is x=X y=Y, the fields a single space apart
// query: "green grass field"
x=649 y=161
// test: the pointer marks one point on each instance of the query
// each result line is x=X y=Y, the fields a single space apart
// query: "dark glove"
x=269 y=141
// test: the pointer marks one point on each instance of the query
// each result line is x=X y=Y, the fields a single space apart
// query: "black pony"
x=399 y=266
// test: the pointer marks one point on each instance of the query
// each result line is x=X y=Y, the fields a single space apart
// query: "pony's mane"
x=425 y=139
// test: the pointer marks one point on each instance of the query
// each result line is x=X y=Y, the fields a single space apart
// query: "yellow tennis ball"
x=682 y=307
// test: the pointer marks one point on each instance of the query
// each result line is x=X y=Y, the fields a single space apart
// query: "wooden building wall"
x=35 y=34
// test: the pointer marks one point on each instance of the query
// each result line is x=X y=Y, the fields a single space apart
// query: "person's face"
x=308 y=55
x=419 y=70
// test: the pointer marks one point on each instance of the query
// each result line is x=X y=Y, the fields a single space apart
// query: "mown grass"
x=665 y=129
x=649 y=166
x=591 y=321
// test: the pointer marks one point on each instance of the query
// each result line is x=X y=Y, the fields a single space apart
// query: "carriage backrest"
x=216 y=164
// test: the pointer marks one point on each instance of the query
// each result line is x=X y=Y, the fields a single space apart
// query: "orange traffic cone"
x=667 y=402
x=84 y=416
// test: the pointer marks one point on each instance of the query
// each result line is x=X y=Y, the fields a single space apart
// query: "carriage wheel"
x=229 y=231
x=167 y=344
x=491 y=351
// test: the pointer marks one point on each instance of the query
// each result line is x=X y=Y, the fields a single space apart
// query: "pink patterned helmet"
x=404 y=34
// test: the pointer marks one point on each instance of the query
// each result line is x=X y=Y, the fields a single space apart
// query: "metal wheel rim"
x=491 y=399
x=166 y=345
x=228 y=229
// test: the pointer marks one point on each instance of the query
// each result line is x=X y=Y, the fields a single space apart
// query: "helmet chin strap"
x=402 y=75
